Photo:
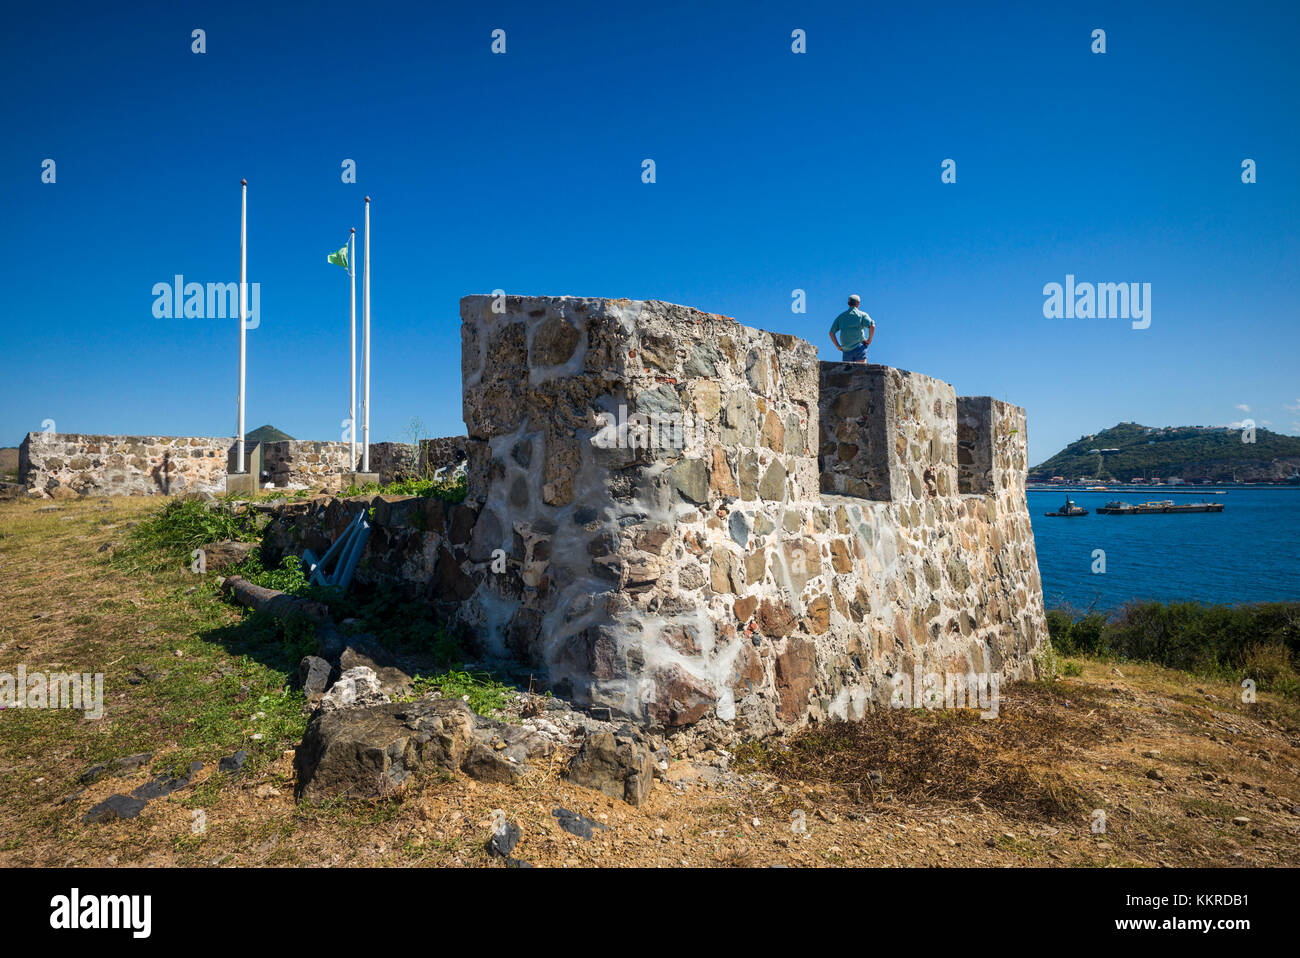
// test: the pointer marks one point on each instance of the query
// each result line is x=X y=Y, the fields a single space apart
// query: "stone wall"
x=612 y=445
x=647 y=526
x=305 y=464
x=394 y=460
x=68 y=464
x=418 y=544
x=868 y=411
x=442 y=452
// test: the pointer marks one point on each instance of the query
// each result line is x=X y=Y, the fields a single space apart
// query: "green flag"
x=340 y=258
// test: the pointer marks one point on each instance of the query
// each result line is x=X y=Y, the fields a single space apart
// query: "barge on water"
x=1156 y=506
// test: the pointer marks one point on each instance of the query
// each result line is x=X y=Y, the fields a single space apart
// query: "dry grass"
x=953 y=756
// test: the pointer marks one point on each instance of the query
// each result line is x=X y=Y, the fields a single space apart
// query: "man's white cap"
x=854 y=299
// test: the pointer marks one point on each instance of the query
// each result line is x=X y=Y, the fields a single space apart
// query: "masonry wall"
x=943 y=569
x=442 y=453
x=710 y=578
x=401 y=460
x=886 y=432
x=647 y=527
x=307 y=464
x=68 y=464
x=420 y=545
x=394 y=460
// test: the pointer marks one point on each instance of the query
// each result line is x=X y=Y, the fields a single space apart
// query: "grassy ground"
x=1170 y=758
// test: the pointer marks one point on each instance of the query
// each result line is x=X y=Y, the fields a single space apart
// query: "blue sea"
x=1250 y=552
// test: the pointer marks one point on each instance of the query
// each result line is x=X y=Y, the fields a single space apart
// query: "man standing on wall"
x=849 y=325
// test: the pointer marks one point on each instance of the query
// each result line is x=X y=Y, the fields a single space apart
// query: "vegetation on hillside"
x=1190 y=452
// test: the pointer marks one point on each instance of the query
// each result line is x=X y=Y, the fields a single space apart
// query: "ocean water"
x=1250 y=552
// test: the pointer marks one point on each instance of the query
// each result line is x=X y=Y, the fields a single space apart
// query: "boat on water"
x=1117 y=508
x=1069 y=510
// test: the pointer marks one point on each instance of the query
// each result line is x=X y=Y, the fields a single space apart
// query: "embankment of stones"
x=688 y=521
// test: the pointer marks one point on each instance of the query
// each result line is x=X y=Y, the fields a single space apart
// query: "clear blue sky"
x=775 y=171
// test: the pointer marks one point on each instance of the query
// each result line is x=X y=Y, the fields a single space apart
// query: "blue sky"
x=775 y=172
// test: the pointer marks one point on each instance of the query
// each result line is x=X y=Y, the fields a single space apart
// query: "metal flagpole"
x=243 y=305
x=352 y=378
x=365 y=348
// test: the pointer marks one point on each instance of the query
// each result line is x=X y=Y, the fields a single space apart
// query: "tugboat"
x=1069 y=510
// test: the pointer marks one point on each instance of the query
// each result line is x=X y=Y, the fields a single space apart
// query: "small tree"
x=415 y=434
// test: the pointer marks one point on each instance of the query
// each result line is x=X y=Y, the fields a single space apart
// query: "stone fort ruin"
x=685 y=520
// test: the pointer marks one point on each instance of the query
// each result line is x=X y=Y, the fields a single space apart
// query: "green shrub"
x=1259 y=641
x=1077 y=634
x=1272 y=666
x=289 y=576
x=183 y=525
x=1047 y=663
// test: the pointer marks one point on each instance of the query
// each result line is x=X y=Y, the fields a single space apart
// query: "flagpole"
x=365 y=348
x=352 y=377
x=243 y=302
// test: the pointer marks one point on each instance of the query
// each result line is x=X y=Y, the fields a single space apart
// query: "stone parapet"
x=73 y=464
x=654 y=535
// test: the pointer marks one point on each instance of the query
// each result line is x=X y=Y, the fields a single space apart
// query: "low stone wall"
x=648 y=527
x=394 y=460
x=442 y=452
x=304 y=464
x=68 y=464
x=76 y=465
x=418 y=545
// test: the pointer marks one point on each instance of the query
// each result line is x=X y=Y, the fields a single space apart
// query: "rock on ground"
x=618 y=764
x=114 y=807
x=364 y=652
x=218 y=556
x=367 y=751
x=314 y=677
x=504 y=840
x=356 y=688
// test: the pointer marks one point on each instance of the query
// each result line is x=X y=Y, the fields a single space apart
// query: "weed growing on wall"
x=451 y=489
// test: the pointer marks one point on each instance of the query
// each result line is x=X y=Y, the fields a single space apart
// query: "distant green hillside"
x=266 y=434
x=1188 y=452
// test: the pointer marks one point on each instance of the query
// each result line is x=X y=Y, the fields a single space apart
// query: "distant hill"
x=266 y=434
x=8 y=461
x=1187 y=452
